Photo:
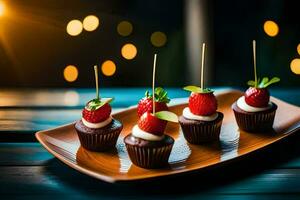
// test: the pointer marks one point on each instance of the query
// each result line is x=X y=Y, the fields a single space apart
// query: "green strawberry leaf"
x=263 y=82
x=167 y=116
x=273 y=80
x=147 y=94
x=98 y=103
x=160 y=95
x=196 y=89
x=251 y=83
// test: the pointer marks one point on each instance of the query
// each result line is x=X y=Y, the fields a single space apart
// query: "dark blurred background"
x=39 y=41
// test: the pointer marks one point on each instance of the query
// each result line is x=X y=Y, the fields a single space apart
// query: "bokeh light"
x=108 y=68
x=158 y=39
x=90 y=23
x=129 y=51
x=71 y=73
x=74 y=27
x=271 y=28
x=2 y=8
x=295 y=66
x=71 y=98
x=124 y=28
x=298 y=49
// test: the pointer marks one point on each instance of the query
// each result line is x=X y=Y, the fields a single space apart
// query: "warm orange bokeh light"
x=158 y=39
x=2 y=8
x=71 y=73
x=129 y=51
x=124 y=28
x=298 y=49
x=74 y=27
x=90 y=23
x=108 y=68
x=295 y=66
x=271 y=28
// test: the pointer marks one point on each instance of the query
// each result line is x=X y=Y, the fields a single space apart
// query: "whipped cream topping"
x=242 y=104
x=97 y=125
x=137 y=132
x=189 y=115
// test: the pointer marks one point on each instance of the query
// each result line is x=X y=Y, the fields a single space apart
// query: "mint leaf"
x=160 y=95
x=196 y=89
x=251 y=83
x=167 y=116
x=273 y=80
x=192 y=88
x=98 y=103
x=263 y=82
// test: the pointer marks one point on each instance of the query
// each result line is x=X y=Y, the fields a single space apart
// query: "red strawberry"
x=203 y=103
x=98 y=115
x=257 y=97
x=149 y=123
x=146 y=105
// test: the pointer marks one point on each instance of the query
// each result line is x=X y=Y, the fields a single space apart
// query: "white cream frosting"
x=137 y=132
x=242 y=104
x=97 y=125
x=189 y=115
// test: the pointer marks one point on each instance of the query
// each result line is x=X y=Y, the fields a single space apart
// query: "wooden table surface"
x=27 y=170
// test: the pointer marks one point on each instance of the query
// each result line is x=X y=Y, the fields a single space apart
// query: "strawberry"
x=257 y=97
x=257 y=94
x=151 y=124
x=96 y=111
x=203 y=103
x=146 y=104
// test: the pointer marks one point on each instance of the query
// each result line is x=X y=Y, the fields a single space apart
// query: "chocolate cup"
x=254 y=121
x=199 y=132
x=100 y=139
x=149 y=154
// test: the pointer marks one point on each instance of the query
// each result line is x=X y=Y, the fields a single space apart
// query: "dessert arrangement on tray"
x=165 y=140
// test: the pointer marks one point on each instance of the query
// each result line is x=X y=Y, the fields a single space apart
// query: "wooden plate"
x=115 y=165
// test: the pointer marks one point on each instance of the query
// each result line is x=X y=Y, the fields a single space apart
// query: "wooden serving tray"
x=115 y=165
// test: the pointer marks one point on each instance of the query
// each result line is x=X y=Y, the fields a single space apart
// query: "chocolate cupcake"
x=98 y=139
x=199 y=131
x=253 y=116
x=147 y=145
x=149 y=154
x=254 y=112
x=255 y=121
x=200 y=122
x=97 y=130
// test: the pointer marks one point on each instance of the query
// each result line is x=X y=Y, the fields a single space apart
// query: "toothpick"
x=153 y=83
x=202 y=66
x=96 y=80
x=254 y=62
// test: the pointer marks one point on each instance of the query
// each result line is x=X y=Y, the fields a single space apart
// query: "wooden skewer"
x=96 y=79
x=202 y=66
x=153 y=83
x=254 y=62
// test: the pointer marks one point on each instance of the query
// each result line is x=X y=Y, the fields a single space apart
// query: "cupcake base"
x=254 y=121
x=198 y=132
x=149 y=154
x=100 y=139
